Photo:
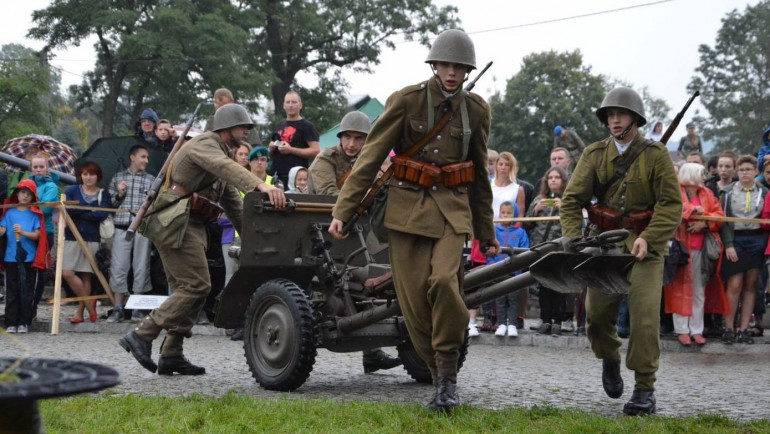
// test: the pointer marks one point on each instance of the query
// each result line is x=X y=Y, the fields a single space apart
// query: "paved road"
x=494 y=376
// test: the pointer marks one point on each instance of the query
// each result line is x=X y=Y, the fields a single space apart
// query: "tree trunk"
x=279 y=91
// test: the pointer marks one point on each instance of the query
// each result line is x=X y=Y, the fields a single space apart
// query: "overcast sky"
x=650 y=43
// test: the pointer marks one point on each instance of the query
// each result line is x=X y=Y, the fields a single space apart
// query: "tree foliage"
x=550 y=89
x=24 y=86
x=554 y=89
x=733 y=79
x=169 y=54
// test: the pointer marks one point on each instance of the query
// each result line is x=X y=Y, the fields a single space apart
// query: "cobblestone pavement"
x=733 y=384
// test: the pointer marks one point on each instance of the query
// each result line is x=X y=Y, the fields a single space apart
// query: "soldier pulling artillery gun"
x=296 y=290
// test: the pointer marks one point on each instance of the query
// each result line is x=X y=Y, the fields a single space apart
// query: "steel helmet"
x=626 y=98
x=231 y=115
x=454 y=46
x=355 y=121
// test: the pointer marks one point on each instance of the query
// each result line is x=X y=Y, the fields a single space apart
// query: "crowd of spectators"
x=716 y=285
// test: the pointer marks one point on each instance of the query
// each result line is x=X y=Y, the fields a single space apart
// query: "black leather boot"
x=642 y=403
x=445 y=397
x=611 y=379
x=180 y=365
x=378 y=359
x=141 y=350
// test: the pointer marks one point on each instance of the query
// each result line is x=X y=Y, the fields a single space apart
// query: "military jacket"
x=326 y=169
x=205 y=161
x=650 y=183
x=411 y=208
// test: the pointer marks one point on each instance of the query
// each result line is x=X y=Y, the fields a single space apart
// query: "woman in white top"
x=505 y=187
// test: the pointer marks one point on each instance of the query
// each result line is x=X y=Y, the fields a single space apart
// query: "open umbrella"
x=60 y=156
x=112 y=156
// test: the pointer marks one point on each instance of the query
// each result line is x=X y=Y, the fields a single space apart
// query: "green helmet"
x=454 y=46
x=231 y=115
x=626 y=98
x=355 y=121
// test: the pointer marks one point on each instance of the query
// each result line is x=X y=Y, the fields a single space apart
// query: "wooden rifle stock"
x=677 y=119
x=152 y=193
x=382 y=180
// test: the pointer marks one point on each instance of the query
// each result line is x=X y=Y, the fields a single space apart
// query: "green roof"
x=369 y=106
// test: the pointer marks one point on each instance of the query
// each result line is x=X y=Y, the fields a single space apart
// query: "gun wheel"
x=417 y=368
x=279 y=335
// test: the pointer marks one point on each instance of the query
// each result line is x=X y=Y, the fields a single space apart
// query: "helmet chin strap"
x=625 y=132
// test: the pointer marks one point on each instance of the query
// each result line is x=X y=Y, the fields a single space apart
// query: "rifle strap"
x=622 y=169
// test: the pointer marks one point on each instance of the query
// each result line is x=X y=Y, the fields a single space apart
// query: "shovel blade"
x=555 y=271
x=607 y=273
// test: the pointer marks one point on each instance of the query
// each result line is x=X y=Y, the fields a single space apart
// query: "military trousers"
x=425 y=272
x=644 y=309
x=188 y=278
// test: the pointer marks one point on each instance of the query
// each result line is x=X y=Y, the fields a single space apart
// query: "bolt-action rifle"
x=380 y=182
x=152 y=193
x=677 y=119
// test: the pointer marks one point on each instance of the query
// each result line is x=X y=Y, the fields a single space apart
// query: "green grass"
x=235 y=413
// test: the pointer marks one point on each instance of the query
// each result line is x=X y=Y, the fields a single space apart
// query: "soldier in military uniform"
x=649 y=184
x=427 y=226
x=328 y=173
x=333 y=165
x=204 y=165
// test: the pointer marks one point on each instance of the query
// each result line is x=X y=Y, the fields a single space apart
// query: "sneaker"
x=473 y=331
x=512 y=332
x=116 y=315
x=556 y=330
x=488 y=325
x=10 y=329
x=137 y=315
x=567 y=326
x=21 y=329
x=581 y=331
x=501 y=329
x=544 y=329
x=728 y=337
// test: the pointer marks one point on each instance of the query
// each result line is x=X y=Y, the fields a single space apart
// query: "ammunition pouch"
x=608 y=219
x=427 y=175
x=458 y=174
x=204 y=209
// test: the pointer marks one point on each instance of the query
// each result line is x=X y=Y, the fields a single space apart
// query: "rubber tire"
x=276 y=363
x=417 y=368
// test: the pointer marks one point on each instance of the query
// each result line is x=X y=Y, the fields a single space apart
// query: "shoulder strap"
x=622 y=169
x=466 y=127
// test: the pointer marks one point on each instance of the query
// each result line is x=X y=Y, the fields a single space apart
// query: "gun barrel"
x=21 y=163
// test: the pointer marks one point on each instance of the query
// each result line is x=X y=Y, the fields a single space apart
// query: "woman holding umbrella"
x=76 y=268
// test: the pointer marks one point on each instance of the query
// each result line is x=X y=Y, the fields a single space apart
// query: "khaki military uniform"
x=199 y=163
x=650 y=183
x=427 y=227
x=326 y=169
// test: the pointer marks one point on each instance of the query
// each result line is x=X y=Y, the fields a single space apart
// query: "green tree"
x=550 y=89
x=733 y=79
x=318 y=37
x=24 y=85
x=165 y=53
x=170 y=53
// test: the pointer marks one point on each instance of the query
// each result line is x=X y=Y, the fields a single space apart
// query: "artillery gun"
x=298 y=290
